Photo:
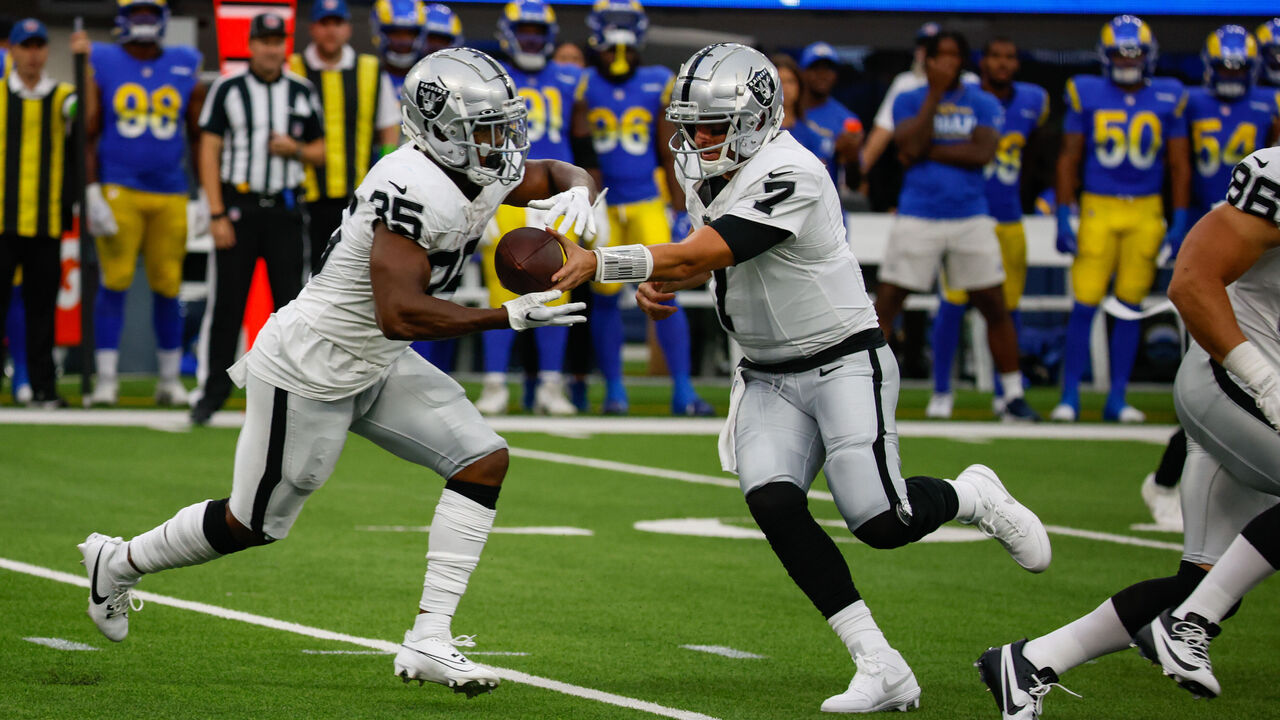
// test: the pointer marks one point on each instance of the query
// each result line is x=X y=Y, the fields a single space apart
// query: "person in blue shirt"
x=143 y=94
x=792 y=109
x=1268 y=37
x=1026 y=107
x=400 y=35
x=1229 y=117
x=946 y=133
x=1126 y=128
x=839 y=130
x=623 y=111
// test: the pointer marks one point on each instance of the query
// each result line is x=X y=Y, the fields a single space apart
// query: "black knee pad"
x=885 y=531
x=219 y=535
x=775 y=503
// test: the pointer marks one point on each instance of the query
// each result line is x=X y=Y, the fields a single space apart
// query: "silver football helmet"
x=461 y=108
x=725 y=84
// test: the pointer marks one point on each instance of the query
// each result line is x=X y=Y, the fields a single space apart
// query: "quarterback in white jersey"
x=336 y=359
x=1226 y=286
x=819 y=386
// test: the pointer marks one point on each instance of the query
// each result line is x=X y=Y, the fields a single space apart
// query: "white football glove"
x=575 y=205
x=102 y=222
x=600 y=213
x=531 y=311
x=199 y=215
x=1247 y=363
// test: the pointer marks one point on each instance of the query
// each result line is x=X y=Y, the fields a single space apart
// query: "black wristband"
x=217 y=215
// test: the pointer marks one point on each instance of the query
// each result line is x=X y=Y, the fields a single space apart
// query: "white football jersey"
x=804 y=294
x=1255 y=296
x=326 y=343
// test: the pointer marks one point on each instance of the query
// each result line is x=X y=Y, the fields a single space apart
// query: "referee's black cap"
x=267 y=25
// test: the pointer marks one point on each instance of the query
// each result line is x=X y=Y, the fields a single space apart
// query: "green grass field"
x=608 y=611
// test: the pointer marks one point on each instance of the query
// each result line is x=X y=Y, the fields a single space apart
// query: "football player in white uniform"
x=1226 y=285
x=337 y=358
x=819 y=386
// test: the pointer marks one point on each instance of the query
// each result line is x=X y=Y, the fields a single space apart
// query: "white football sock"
x=858 y=630
x=169 y=363
x=1239 y=569
x=1092 y=636
x=966 y=501
x=1012 y=382
x=458 y=534
x=550 y=376
x=179 y=542
x=107 y=362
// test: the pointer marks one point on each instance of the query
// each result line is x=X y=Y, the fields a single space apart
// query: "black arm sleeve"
x=746 y=238
x=584 y=153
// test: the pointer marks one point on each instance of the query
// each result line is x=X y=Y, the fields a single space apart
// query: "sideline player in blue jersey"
x=527 y=36
x=141 y=94
x=623 y=111
x=839 y=128
x=947 y=132
x=1125 y=127
x=1229 y=117
x=1268 y=37
x=1026 y=107
x=400 y=36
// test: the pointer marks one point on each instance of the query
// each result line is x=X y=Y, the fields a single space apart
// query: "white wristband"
x=1247 y=363
x=622 y=264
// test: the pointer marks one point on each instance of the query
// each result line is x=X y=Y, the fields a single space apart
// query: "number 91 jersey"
x=144 y=105
x=1125 y=133
x=623 y=119
x=549 y=95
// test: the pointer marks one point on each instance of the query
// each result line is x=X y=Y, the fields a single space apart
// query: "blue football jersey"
x=1223 y=134
x=1026 y=110
x=144 y=110
x=1125 y=134
x=937 y=190
x=549 y=95
x=623 y=119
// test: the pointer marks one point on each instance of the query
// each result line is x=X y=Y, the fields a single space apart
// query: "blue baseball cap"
x=322 y=9
x=817 y=52
x=927 y=31
x=27 y=29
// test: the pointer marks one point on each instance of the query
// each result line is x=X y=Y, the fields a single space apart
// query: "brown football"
x=526 y=259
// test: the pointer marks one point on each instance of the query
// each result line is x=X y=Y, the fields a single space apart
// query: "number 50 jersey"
x=144 y=104
x=326 y=344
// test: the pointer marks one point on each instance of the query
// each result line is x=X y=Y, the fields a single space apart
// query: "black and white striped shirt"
x=244 y=110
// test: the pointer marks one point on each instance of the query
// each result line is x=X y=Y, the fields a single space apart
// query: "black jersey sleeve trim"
x=747 y=238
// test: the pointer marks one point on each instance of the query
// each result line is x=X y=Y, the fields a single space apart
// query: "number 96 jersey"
x=624 y=119
x=326 y=344
x=144 y=104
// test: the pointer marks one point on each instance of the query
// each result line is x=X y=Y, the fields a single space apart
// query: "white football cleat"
x=940 y=405
x=1010 y=522
x=1165 y=504
x=106 y=391
x=1130 y=415
x=883 y=681
x=997 y=407
x=109 y=599
x=549 y=399
x=494 y=398
x=435 y=659
x=171 y=393
x=1063 y=412
x=1180 y=646
x=1017 y=686
x=23 y=394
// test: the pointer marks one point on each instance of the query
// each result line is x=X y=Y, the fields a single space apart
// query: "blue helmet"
x=1268 y=35
x=141 y=28
x=443 y=28
x=389 y=15
x=1230 y=58
x=1127 y=37
x=613 y=22
x=528 y=50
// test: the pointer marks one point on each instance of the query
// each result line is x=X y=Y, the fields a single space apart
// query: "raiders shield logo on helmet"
x=761 y=86
x=430 y=99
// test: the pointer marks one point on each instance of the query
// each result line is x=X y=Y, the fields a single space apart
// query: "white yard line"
x=1113 y=538
x=373 y=644
x=724 y=651
x=60 y=644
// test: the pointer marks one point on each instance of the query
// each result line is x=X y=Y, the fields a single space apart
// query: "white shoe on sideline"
x=436 y=659
x=940 y=405
x=171 y=393
x=1130 y=415
x=494 y=398
x=883 y=681
x=109 y=599
x=106 y=391
x=549 y=399
x=1063 y=413
x=1164 y=503
x=1011 y=523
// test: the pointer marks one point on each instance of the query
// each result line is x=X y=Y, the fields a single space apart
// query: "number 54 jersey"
x=326 y=344
x=144 y=105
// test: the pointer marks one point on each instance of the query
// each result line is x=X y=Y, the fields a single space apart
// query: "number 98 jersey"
x=144 y=107
x=623 y=119
x=1125 y=134
x=326 y=343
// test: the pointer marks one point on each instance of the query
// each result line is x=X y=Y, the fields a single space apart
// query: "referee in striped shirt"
x=260 y=126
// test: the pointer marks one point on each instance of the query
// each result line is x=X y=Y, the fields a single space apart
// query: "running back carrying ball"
x=527 y=257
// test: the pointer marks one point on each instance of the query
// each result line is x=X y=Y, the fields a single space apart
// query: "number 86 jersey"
x=326 y=343
x=144 y=106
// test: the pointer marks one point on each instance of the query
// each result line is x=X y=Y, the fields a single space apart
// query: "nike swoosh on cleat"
x=888 y=687
x=1173 y=656
x=93 y=584
x=1006 y=669
x=402 y=190
x=442 y=660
